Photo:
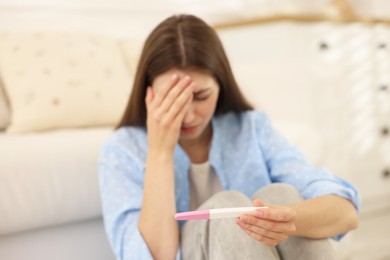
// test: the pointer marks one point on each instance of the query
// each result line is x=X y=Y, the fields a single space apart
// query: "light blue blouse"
x=246 y=153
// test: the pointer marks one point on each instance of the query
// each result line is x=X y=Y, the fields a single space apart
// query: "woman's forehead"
x=183 y=72
x=202 y=79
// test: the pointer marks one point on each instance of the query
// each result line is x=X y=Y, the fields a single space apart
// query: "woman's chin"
x=193 y=133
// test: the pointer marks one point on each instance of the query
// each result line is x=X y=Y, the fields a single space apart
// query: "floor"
x=84 y=240
x=371 y=241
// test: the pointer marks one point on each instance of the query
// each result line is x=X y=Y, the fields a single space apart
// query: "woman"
x=188 y=140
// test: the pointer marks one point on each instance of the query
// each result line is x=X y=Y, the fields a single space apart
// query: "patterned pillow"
x=63 y=80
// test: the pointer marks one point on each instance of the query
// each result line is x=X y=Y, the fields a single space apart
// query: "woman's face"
x=205 y=96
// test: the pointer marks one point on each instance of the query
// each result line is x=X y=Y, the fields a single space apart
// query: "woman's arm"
x=321 y=217
x=156 y=223
x=166 y=110
x=324 y=216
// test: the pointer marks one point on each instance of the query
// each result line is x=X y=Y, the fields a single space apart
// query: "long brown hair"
x=183 y=42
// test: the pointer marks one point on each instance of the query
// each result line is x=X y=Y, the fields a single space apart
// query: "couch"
x=59 y=102
x=50 y=140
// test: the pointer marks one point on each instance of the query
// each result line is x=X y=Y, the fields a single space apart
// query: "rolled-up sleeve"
x=286 y=164
x=121 y=194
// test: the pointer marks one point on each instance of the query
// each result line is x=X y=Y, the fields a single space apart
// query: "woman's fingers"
x=172 y=104
x=167 y=103
x=268 y=237
x=274 y=226
x=181 y=105
x=258 y=203
x=265 y=240
x=173 y=94
x=281 y=214
x=266 y=225
x=149 y=97
x=269 y=226
x=164 y=90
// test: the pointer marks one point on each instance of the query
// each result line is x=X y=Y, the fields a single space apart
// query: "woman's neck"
x=198 y=149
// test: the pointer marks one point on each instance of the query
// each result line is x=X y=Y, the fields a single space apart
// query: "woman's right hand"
x=166 y=106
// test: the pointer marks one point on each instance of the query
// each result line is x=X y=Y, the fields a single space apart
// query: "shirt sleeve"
x=121 y=193
x=286 y=164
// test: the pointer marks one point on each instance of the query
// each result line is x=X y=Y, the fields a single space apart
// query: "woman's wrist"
x=161 y=155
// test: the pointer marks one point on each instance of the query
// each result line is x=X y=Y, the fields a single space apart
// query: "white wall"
x=116 y=17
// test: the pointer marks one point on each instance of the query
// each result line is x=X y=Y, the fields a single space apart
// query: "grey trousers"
x=224 y=239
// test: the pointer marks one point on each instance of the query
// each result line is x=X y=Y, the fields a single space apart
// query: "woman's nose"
x=189 y=116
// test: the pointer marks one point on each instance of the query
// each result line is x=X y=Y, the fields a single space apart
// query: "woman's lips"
x=188 y=129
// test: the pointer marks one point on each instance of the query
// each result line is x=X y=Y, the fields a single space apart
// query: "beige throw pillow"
x=63 y=80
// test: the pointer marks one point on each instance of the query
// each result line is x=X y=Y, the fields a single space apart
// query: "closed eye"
x=201 y=97
x=202 y=94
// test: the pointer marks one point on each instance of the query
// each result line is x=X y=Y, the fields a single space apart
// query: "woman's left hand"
x=269 y=226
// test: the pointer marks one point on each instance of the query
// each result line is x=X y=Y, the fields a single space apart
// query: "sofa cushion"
x=58 y=80
x=4 y=109
x=49 y=178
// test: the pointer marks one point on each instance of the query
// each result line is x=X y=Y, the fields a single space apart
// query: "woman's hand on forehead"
x=167 y=102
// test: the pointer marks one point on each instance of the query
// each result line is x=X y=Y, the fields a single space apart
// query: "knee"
x=278 y=193
x=283 y=188
x=231 y=198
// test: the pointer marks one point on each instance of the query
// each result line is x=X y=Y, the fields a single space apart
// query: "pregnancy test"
x=215 y=213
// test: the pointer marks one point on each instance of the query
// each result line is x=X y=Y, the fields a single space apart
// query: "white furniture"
x=332 y=77
x=323 y=84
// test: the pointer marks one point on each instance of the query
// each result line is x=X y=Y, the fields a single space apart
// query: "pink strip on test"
x=216 y=213
x=193 y=215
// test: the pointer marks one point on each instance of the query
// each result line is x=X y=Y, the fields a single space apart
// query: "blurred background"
x=319 y=68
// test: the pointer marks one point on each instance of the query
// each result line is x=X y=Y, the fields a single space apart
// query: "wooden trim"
x=299 y=19
x=344 y=13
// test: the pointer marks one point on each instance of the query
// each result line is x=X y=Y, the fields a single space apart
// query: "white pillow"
x=63 y=80
x=4 y=109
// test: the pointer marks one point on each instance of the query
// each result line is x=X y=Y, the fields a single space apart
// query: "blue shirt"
x=246 y=153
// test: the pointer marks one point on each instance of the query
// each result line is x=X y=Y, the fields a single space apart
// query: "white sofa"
x=49 y=195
